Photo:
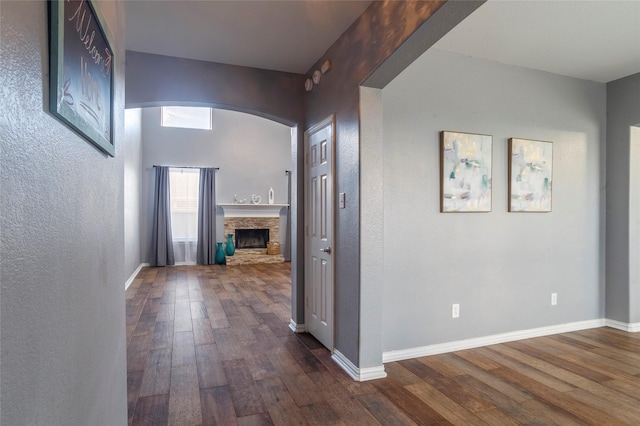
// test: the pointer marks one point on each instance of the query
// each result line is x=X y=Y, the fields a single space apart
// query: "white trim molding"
x=358 y=374
x=134 y=275
x=441 y=348
x=633 y=327
x=297 y=328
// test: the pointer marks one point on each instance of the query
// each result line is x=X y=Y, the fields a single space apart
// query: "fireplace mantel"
x=252 y=210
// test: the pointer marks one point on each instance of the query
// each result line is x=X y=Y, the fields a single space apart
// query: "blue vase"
x=220 y=259
x=230 y=248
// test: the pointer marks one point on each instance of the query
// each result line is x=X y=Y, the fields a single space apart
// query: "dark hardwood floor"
x=211 y=346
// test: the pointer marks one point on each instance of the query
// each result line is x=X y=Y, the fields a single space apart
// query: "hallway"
x=211 y=345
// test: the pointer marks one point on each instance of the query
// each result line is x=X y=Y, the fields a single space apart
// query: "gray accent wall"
x=62 y=305
x=500 y=267
x=252 y=153
x=165 y=80
x=623 y=288
x=132 y=147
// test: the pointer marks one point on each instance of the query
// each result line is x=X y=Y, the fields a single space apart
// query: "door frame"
x=330 y=120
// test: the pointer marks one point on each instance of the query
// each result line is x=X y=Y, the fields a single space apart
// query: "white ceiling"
x=596 y=40
x=276 y=35
x=592 y=40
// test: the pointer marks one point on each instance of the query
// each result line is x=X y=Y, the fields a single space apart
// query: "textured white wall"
x=500 y=267
x=61 y=264
x=252 y=153
x=132 y=147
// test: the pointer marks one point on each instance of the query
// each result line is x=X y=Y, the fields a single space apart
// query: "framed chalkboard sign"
x=81 y=72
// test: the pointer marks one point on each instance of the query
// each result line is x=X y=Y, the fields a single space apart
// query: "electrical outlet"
x=554 y=298
x=455 y=310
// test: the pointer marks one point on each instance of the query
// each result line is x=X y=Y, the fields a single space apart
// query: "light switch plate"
x=342 y=200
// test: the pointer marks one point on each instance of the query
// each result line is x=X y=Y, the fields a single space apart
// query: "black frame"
x=81 y=65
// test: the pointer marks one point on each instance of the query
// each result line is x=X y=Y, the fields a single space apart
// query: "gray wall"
x=252 y=153
x=500 y=267
x=165 y=80
x=623 y=111
x=62 y=268
x=132 y=147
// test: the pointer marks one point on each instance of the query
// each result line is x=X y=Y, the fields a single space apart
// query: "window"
x=187 y=117
x=184 y=188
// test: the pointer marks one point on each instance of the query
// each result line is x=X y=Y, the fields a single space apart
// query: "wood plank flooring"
x=211 y=346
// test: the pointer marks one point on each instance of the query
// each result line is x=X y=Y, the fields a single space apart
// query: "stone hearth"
x=253 y=256
x=270 y=223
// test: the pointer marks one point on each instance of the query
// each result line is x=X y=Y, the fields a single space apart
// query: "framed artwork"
x=530 y=175
x=465 y=172
x=81 y=72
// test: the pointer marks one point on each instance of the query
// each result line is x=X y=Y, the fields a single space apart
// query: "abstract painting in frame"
x=465 y=172
x=530 y=175
x=81 y=72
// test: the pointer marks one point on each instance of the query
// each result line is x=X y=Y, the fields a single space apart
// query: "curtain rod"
x=186 y=167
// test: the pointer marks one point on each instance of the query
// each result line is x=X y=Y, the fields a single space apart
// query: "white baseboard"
x=358 y=374
x=133 y=276
x=477 y=342
x=633 y=327
x=297 y=328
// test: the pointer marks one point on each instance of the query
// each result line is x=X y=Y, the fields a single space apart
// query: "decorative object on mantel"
x=236 y=200
x=273 y=248
x=256 y=199
x=465 y=172
x=230 y=249
x=220 y=259
x=271 y=196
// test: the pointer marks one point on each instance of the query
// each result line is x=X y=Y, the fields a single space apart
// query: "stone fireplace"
x=271 y=224
x=260 y=224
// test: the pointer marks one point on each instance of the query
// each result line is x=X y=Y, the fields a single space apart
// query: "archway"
x=155 y=80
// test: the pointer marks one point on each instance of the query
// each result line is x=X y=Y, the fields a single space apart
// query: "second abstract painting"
x=530 y=175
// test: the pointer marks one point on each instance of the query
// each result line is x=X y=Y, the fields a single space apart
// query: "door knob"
x=326 y=250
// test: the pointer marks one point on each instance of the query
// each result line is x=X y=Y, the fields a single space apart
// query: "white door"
x=319 y=165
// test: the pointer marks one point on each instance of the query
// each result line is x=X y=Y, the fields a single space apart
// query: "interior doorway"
x=137 y=182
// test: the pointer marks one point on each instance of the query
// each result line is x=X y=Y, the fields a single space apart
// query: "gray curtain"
x=206 y=254
x=161 y=241
x=287 y=239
